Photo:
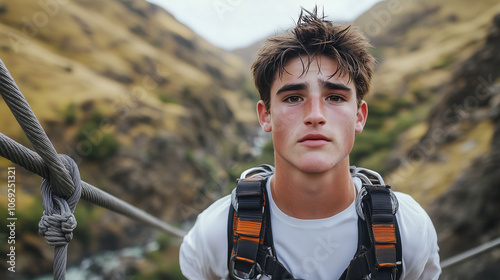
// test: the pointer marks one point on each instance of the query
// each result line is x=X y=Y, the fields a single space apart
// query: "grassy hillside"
x=417 y=44
x=150 y=111
x=433 y=118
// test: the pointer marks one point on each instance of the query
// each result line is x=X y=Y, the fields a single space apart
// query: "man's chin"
x=311 y=163
x=316 y=167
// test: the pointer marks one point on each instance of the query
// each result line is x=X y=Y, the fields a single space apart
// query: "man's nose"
x=314 y=114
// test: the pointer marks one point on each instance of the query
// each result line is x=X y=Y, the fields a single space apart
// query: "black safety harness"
x=251 y=252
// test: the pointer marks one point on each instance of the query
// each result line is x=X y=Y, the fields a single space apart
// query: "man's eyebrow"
x=334 y=86
x=292 y=87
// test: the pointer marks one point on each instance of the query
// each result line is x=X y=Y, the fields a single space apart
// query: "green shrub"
x=69 y=114
x=419 y=94
x=85 y=215
x=404 y=122
x=401 y=103
x=94 y=144
x=165 y=98
x=189 y=155
x=186 y=92
x=164 y=241
x=445 y=62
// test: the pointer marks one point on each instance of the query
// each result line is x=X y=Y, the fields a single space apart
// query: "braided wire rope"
x=31 y=161
x=58 y=222
x=61 y=185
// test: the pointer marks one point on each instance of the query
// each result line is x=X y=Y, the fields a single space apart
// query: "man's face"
x=313 y=117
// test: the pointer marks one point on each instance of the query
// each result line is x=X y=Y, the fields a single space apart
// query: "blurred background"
x=155 y=103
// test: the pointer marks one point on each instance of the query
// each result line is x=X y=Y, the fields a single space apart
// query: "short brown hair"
x=314 y=36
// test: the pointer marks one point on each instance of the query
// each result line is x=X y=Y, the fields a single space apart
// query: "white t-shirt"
x=312 y=249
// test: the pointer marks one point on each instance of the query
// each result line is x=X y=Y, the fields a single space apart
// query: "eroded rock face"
x=468 y=214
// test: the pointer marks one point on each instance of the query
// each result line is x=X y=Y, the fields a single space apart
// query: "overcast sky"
x=232 y=24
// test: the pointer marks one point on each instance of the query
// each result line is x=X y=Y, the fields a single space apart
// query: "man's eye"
x=293 y=99
x=336 y=98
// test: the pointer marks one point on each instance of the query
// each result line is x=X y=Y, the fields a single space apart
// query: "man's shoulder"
x=216 y=212
x=414 y=223
x=408 y=206
x=203 y=253
x=211 y=224
x=418 y=239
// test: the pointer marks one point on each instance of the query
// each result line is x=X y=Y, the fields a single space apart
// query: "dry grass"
x=436 y=37
x=423 y=56
x=427 y=179
x=244 y=109
x=64 y=60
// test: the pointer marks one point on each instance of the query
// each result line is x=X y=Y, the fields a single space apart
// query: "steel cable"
x=61 y=175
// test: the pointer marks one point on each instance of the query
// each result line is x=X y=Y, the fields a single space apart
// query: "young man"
x=312 y=81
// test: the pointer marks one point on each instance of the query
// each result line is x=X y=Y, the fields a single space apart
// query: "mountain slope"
x=435 y=103
x=150 y=111
x=473 y=99
x=418 y=45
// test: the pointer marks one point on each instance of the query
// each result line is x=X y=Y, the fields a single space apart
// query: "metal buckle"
x=364 y=175
x=394 y=273
x=359 y=201
x=255 y=269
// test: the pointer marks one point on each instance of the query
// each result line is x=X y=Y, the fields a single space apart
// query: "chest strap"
x=379 y=252
x=250 y=243
x=250 y=250
x=247 y=226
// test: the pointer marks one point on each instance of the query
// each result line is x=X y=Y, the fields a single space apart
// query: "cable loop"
x=58 y=222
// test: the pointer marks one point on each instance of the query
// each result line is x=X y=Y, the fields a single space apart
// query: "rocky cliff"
x=473 y=98
x=437 y=90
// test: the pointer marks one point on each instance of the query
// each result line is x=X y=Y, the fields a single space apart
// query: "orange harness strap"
x=247 y=225
x=251 y=252
x=382 y=231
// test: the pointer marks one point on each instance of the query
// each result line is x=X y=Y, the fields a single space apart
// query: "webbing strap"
x=379 y=251
x=250 y=239
x=379 y=246
x=271 y=266
x=381 y=224
x=247 y=225
x=362 y=263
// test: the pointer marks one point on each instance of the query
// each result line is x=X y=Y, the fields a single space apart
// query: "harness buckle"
x=250 y=276
x=359 y=201
x=394 y=273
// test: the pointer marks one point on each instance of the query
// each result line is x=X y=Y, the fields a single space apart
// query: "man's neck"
x=313 y=196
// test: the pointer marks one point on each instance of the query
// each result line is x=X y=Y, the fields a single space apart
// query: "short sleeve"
x=203 y=252
x=418 y=239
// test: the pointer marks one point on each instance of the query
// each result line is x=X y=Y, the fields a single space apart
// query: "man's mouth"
x=314 y=140
x=314 y=137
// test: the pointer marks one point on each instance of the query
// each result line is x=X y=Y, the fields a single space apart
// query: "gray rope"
x=60 y=178
x=31 y=161
x=60 y=189
x=481 y=249
x=58 y=222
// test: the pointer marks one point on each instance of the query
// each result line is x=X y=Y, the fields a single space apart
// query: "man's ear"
x=264 y=117
x=362 y=114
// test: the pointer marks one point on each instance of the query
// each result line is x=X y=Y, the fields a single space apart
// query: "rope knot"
x=58 y=222
x=57 y=228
